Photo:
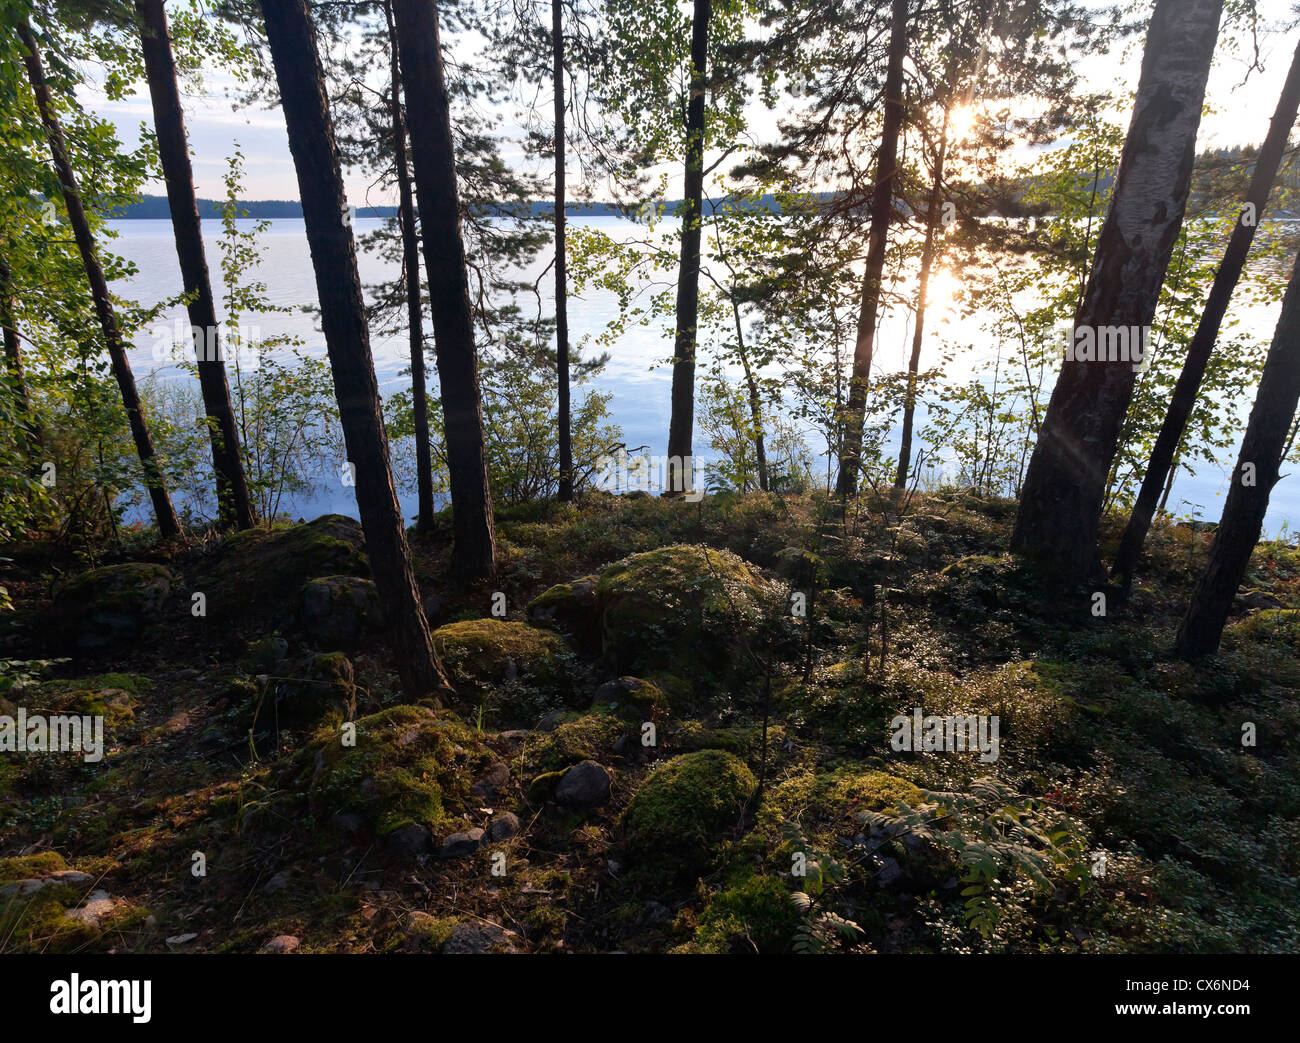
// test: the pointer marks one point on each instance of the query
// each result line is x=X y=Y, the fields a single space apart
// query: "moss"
x=753 y=913
x=111 y=696
x=587 y=737
x=687 y=604
x=27 y=867
x=408 y=765
x=678 y=818
x=515 y=670
x=746 y=742
x=826 y=803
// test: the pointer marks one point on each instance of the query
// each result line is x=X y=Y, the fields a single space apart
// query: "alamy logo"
x=1108 y=344
x=62 y=733
x=945 y=734
x=74 y=996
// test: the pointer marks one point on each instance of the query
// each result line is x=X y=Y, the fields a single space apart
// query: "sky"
x=1239 y=103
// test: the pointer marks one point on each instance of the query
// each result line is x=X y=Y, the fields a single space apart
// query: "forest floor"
x=671 y=731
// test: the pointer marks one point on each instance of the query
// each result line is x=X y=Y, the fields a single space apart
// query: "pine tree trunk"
x=755 y=401
x=164 y=513
x=681 y=422
x=1060 y=505
x=428 y=117
x=292 y=41
x=233 y=502
x=1183 y=399
x=31 y=437
x=922 y=290
x=561 y=269
x=1258 y=464
x=414 y=313
x=882 y=206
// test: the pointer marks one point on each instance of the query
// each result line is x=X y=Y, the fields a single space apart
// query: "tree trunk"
x=681 y=423
x=433 y=155
x=561 y=270
x=233 y=502
x=922 y=289
x=882 y=206
x=292 y=41
x=1060 y=506
x=1258 y=464
x=164 y=513
x=755 y=400
x=31 y=437
x=414 y=313
x=1183 y=399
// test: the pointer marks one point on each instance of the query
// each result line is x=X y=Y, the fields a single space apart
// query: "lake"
x=635 y=377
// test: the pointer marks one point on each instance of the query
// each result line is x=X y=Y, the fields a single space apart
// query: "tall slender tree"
x=1258 y=464
x=1065 y=483
x=561 y=270
x=164 y=513
x=434 y=161
x=681 y=423
x=411 y=274
x=922 y=293
x=1183 y=400
x=292 y=42
x=234 y=504
x=882 y=209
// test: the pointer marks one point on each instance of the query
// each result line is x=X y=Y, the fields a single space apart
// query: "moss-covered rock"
x=631 y=697
x=571 y=608
x=516 y=672
x=111 y=605
x=322 y=687
x=685 y=607
x=111 y=696
x=340 y=612
x=409 y=765
x=752 y=913
x=592 y=736
x=683 y=811
x=256 y=574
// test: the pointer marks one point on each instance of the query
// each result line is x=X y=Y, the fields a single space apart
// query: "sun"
x=961 y=121
x=942 y=290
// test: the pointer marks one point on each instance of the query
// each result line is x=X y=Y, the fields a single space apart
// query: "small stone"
x=97 y=906
x=889 y=871
x=182 y=939
x=503 y=826
x=409 y=840
x=585 y=785
x=31 y=885
x=514 y=736
x=282 y=943
x=492 y=782
x=478 y=938
x=460 y=844
x=277 y=883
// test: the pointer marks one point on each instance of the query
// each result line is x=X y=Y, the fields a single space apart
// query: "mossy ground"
x=1103 y=734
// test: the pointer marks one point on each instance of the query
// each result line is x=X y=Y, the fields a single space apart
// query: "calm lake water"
x=635 y=376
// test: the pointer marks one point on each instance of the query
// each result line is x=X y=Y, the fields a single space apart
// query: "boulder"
x=110 y=606
x=340 y=612
x=684 y=809
x=585 y=785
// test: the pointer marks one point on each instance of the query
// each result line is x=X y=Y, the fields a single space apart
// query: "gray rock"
x=504 y=825
x=95 y=909
x=478 y=938
x=492 y=782
x=182 y=939
x=460 y=844
x=282 y=943
x=340 y=611
x=30 y=886
x=409 y=840
x=585 y=785
x=889 y=871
